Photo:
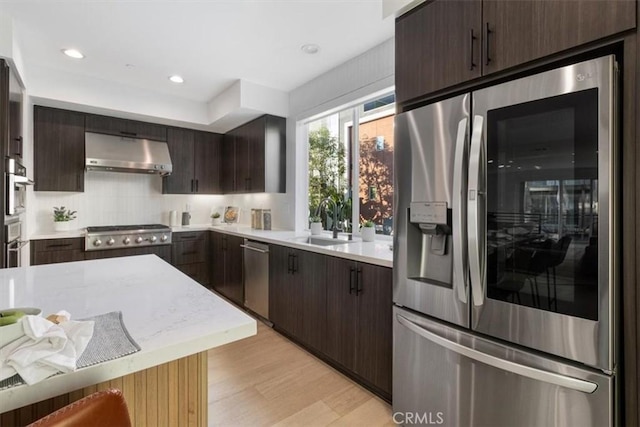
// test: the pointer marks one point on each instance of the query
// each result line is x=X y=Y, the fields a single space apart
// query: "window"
x=351 y=152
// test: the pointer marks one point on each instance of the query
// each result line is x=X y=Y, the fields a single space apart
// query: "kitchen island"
x=172 y=318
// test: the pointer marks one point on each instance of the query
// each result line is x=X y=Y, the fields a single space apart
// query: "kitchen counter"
x=378 y=252
x=168 y=314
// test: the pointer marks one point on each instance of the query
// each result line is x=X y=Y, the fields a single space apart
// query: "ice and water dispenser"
x=429 y=240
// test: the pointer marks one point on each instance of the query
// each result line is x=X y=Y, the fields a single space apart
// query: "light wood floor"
x=267 y=380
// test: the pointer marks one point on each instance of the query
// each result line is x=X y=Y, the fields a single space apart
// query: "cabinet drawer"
x=57 y=244
x=55 y=256
x=189 y=236
x=190 y=251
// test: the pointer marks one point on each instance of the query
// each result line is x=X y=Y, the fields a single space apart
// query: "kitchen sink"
x=321 y=241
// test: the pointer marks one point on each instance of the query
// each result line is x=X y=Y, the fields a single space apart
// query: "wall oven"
x=13 y=244
x=16 y=182
x=505 y=251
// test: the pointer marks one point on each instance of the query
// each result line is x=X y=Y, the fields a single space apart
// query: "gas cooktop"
x=126 y=236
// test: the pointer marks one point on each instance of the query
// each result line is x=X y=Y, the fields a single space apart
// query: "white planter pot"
x=316 y=228
x=62 y=225
x=216 y=221
x=368 y=234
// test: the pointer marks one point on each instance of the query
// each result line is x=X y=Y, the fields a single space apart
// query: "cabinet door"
x=124 y=127
x=208 y=151
x=284 y=291
x=58 y=150
x=228 y=166
x=521 y=31
x=147 y=130
x=374 y=336
x=181 y=181
x=234 y=285
x=311 y=271
x=255 y=156
x=242 y=153
x=15 y=130
x=216 y=274
x=341 y=311
x=437 y=46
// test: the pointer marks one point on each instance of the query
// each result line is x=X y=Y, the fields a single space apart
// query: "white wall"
x=112 y=198
x=356 y=79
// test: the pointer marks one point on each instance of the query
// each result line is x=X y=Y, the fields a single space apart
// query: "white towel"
x=45 y=349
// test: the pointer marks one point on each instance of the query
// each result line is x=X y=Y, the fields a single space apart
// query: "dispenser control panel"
x=428 y=213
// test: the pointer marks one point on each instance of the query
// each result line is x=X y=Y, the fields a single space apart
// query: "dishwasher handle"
x=252 y=248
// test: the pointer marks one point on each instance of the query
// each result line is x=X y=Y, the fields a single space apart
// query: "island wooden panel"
x=171 y=394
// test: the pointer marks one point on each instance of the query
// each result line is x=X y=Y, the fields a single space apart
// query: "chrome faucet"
x=334 y=228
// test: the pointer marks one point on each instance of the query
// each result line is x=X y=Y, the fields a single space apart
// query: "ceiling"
x=210 y=43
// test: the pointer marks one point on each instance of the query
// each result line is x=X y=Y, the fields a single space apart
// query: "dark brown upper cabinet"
x=437 y=45
x=58 y=141
x=522 y=31
x=208 y=156
x=124 y=127
x=255 y=153
x=447 y=42
x=181 y=180
x=195 y=157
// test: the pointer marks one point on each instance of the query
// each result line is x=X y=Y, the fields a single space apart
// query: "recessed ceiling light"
x=73 y=53
x=176 y=79
x=310 y=48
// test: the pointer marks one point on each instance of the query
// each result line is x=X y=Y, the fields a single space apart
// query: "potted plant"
x=368 y=231
x=316 y=225
x=216 y=218
x=62 y=218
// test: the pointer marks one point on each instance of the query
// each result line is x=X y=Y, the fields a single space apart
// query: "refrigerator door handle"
x=459 y=229
x=496 y=362
x=474 y=208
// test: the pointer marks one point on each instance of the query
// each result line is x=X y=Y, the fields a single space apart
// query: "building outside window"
x=351 y=152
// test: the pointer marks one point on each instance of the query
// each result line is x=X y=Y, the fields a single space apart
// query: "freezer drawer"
x=448 y=375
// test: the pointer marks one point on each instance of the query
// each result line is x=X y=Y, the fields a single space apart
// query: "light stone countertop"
x=378 y=252
x=167 y=313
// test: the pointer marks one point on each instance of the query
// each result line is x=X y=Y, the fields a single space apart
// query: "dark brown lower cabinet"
x=297 y=294
x=359 y=320
x=226 y=266
x=52 y=251
x=191 y=253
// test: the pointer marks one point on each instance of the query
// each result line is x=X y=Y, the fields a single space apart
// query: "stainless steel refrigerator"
x=505 y=269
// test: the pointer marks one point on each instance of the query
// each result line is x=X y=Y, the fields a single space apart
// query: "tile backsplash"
x=126 y=198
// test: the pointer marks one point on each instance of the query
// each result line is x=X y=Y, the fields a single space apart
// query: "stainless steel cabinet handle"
x=251 y=248
x=475 y=212
x=496 y=362
x=459 y=214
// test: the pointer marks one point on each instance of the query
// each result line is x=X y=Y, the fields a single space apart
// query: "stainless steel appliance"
x=13 y=244
x=506 y=229
x=16 y=181
x=256 y=277
x=126 y=236
x=125 y=154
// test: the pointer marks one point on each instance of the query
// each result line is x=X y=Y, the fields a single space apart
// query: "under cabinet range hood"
x=123 y=154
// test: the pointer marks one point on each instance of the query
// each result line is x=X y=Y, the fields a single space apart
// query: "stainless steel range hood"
x=122 y=154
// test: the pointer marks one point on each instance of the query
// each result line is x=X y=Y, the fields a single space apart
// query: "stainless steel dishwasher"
x=256 y=277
